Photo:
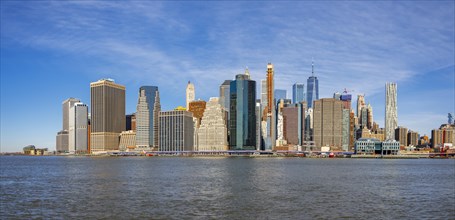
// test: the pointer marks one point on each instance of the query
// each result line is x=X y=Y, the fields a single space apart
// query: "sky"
x=52 y=50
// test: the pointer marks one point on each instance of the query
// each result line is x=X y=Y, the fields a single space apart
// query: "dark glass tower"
x=298 y=93
x=312 y=88
x=242 y=113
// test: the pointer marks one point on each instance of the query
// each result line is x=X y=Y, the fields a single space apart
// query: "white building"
x=78 y=123
x=190 y=94
x=143 y=122
x=212 y=133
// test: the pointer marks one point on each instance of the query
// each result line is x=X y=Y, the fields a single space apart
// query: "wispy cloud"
x=355 y=45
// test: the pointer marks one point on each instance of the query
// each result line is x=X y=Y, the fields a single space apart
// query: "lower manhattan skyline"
x=48 y=56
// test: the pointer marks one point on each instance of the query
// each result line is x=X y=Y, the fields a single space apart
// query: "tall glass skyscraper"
x=224 y=94
x=298 y=93
x=242 y=113
x=312 y=88
x=280 y=94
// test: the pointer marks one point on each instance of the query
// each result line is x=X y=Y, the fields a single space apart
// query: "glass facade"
x=298 y=93
x=280 y=94
x=242 y=113
x=312 y=90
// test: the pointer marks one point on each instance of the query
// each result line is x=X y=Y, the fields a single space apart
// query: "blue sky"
x=53 y=50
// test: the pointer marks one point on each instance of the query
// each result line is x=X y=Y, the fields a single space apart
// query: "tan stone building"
x=327 y=123
x=107 y=114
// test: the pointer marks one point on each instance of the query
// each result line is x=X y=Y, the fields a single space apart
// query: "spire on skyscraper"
x=247 y=72
x=312 y=67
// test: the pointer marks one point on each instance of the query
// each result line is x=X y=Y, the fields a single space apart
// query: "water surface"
x=226 y=188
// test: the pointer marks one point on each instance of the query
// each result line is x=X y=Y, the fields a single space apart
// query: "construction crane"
x=450 y=118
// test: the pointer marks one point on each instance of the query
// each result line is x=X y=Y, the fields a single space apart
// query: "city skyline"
x=56 y=57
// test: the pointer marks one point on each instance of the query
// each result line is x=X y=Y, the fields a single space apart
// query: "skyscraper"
x=298 y=93
x=312 y=88
x=391 y=117
x=62 y=140
x=224 y=94
x=107 y=114
x=66 y=105
x=280 y=94
x=327 y=128
x=176 y=130
x=190 y=94
x=77 y=133
x=360 y=105
x=264 y=96
x=212 y=133
x=242 y=111
x=147 y=108
x=271 y=113
x=294 y=123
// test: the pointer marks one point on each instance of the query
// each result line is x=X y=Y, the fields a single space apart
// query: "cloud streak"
x=355 y=45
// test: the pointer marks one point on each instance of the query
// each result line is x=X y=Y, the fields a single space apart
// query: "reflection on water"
x=230 y=188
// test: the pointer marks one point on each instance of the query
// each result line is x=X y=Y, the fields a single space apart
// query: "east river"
x=53 y=187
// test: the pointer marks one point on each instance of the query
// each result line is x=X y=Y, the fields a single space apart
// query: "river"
x=65 y=187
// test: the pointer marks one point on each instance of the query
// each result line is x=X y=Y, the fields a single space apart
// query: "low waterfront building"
x=375 y=146
x=367 y=146
x=127 y=140
x=32 y=150
x=390 y=147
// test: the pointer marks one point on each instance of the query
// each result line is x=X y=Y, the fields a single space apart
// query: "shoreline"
x=354 y=156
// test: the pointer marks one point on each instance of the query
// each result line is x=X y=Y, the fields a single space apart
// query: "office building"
x=224 y=94
x=131 y=122
x=62 y=142
x=312 y=93
x=280 y=94
x=264 y=96
x=176 y=130
x=66 y=105
x=190 y=94
x=360 y=105
x=243 y=115
x=346 y=98
x=259 y=137
x=212 y=133
x=148 y=108
x=391 y=116
x=78 y=125
x=298 y=93
x=346 y=132
x=370 y=117
x=107 y=114
x=328 y=121
x=294 y=123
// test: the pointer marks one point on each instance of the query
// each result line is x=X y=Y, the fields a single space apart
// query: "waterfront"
x=229 y=188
